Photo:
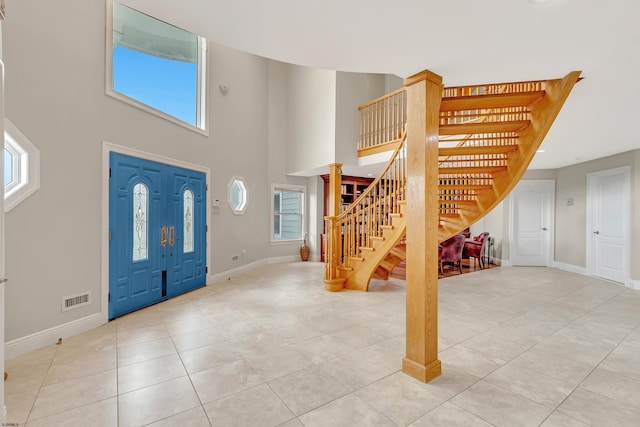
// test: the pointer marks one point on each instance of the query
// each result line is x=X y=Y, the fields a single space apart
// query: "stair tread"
x=465 y=187
x=401 y=255
x=471 y=170
x=386 y=265
x=462 y=201
x=484 y=127
x=476 y=150
x=498 y=100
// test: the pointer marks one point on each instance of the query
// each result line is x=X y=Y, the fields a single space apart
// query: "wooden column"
x=335 y=183
x=424 y=93
x=331 y=282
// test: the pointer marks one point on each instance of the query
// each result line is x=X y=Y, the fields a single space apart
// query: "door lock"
x=596 y=232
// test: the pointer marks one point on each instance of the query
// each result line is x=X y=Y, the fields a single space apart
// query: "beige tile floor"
x=519 y=347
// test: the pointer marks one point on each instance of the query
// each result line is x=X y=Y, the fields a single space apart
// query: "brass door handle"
x=172 y=239
x=163 y=236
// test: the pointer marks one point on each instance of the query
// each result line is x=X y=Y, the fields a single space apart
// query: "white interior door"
x=3 y=279
x=532 y=204
x=608 y=223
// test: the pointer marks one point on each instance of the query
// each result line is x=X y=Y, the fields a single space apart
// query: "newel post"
x=424 y=94
x=333 y=238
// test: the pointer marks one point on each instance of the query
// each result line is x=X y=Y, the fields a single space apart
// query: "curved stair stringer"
x=543 y=114
x=370 y=258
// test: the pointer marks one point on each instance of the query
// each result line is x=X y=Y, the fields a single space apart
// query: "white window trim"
x=273 y=210
x=19 y=164
x=202 y=97
x=290 y=187
x=246 y=195
x=28 y=166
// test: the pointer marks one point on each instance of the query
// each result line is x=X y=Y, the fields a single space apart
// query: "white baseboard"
x=569 y=267
x=634 y=284
x=283 y=259
x=219 y=277
x=50 y=336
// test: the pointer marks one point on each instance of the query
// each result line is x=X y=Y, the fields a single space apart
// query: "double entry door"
x=157 y=227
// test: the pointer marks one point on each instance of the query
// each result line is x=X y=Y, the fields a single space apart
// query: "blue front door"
x=157 y=224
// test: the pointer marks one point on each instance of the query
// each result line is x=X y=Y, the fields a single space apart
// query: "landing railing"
x=383 y=120
x=489 y=115
x=352 y=231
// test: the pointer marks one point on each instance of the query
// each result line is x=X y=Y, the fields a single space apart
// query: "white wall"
x=571 y=221
x=353 y=90
x=277 y=149
x=493 y=222
x=311 y=117
x=55 y=95
x=392 y=82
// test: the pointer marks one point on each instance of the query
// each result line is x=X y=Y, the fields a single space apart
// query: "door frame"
x=3 y=279
x=551 y=187
x=626 y=211
x=108 y=147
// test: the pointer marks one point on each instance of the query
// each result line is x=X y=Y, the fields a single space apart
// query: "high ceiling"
x=464 y=41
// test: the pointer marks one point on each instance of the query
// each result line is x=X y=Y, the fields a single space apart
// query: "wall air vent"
x=75 y=301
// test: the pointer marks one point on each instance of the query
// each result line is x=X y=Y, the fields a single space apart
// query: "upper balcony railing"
x=382 y=121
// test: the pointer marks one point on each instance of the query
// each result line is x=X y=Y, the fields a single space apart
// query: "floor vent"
x=75 y=301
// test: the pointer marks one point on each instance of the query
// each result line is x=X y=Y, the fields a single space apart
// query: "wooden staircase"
x=488 y=135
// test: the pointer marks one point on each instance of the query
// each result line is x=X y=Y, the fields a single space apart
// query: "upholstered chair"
x=473 y=247
x=451 y=252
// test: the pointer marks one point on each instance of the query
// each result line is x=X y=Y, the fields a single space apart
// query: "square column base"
x=421 y=372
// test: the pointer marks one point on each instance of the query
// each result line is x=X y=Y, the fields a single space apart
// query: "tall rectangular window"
x=157 y=65
x=288 y=213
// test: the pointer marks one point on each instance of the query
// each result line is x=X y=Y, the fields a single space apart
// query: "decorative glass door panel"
x=157 y=223
x=187 y=211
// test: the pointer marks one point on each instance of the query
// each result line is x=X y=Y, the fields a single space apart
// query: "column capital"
x=423 y=75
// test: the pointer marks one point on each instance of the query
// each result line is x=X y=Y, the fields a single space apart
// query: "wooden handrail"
x=383 y=97
x=352 y=231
